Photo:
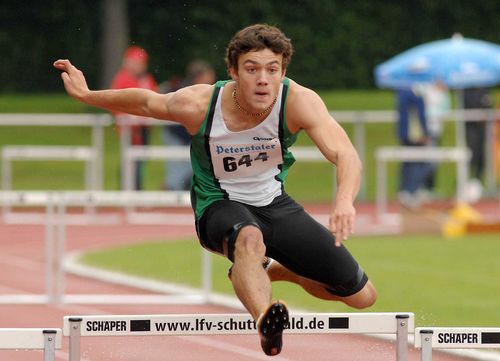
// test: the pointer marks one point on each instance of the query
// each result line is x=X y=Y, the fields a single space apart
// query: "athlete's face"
x=258 y=78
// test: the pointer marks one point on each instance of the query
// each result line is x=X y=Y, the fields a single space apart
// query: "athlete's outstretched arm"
x=183 y=106
x=133 y=101
x=307 y=111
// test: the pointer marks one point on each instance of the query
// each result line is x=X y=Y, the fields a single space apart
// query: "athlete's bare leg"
x=250 y=281
x=366 y=297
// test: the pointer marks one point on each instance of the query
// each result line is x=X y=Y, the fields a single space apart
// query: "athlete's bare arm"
x=186 y=106
x=305 y=110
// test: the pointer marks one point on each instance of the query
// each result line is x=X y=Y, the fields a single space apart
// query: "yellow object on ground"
x=458 y=219
x=453 y=229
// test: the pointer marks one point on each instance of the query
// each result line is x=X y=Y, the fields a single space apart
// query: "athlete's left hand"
x=342 y=221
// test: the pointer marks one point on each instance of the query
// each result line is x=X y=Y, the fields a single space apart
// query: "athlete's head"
x=257 y=58
x=258 y=37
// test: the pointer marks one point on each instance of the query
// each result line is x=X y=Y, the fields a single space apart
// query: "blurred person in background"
x=412 y=130
x=178 y=173
x=437 y=103
x=134 y=74
x=475 y=137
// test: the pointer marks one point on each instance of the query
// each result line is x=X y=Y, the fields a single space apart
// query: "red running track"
x=22 y=265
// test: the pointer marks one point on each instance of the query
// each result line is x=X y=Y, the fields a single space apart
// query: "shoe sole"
x=272 y=323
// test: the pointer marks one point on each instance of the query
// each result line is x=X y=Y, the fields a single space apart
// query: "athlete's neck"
x=234 y=118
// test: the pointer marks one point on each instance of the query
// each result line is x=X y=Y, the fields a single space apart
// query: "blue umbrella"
x=459 y=62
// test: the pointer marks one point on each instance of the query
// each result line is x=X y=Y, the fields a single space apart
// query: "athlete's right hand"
x=74 y=81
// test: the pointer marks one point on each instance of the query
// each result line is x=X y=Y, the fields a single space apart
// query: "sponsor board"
x=213 y=324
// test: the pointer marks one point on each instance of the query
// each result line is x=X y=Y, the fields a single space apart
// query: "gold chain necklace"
x=238 y=105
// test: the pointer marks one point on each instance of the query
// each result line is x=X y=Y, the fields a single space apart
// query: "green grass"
x=42 y=103
x=444 y=282
x=358 y=99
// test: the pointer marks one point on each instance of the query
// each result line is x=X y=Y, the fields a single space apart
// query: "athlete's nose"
x=262 y=78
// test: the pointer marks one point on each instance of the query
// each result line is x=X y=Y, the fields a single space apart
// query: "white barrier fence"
x=47 y=340
x=399 y=324
x=361 y=118
x=358 y=118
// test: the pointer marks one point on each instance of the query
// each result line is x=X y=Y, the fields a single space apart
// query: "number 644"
x=231 y=163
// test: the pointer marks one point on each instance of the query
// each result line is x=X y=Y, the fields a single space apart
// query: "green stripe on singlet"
x=205 y=187
x=287 y=138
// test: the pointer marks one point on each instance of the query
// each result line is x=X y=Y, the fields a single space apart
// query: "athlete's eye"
x=251 y=70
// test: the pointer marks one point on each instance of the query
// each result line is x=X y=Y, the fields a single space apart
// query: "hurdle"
x=429 y=338
x=90 y=154
x=419 y=154
x=57 y=219
x=47 y=340
x=76 y=327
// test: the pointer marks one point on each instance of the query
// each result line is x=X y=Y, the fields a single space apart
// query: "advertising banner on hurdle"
x=466 y=337
x=220 y=324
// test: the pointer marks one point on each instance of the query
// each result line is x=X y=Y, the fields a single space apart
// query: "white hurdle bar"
x=76 y=327
x=429 y=338
x=47 y=340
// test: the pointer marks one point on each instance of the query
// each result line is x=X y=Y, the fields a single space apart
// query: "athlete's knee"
x=250 y=242
x=364 y=298
x=357 y=292
x=243 y=237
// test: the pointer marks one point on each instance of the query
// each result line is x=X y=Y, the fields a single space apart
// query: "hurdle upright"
x=399 y=324
x=429 y=338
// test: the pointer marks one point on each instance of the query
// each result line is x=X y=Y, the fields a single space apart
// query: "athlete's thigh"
x=308 y=249
x=220 y=224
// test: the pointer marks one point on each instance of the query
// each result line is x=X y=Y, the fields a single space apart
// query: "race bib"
x=245 y=160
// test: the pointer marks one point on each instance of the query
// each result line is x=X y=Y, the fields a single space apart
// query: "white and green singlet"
x=248 y=166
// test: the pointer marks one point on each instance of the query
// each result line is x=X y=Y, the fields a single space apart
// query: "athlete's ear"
x=283 y=74
x=233 y=72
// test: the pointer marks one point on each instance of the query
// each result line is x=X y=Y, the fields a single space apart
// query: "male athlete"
x=242 y=130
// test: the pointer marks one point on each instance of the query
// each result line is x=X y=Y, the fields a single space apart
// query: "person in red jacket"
x=134 y=74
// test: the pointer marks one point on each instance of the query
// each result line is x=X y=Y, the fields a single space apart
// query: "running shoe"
x=271 y=325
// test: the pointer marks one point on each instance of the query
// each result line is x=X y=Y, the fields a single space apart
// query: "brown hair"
x=258 y=37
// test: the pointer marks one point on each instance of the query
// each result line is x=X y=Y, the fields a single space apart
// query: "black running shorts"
x=292 y=237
